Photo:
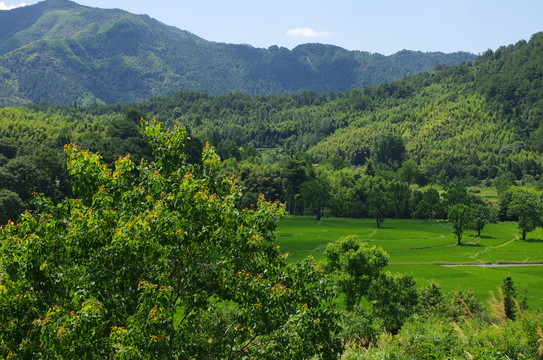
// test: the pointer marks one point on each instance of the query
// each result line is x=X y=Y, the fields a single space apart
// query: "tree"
x=456 y=194
x=316 y=193
x=379 y=203
x=509 y=294
x=354 y=264
x=460 y=217
x=11 y=206
x=410 y=173
x=394 y=298
x=399 y=194
x=526 y=206
x=157 y=261
x=389 y=149
x=480 y=217
x=430 y=296
x=433 y=201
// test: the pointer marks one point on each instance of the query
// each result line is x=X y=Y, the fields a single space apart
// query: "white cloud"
x=307 y=33
x=3 y=6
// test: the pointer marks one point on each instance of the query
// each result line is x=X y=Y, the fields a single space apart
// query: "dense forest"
x=61 y=52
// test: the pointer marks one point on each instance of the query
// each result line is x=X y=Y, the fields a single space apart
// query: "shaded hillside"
x=60 y=52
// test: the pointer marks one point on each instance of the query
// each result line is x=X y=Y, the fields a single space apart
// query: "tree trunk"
x=523 y=234
x=459 y=239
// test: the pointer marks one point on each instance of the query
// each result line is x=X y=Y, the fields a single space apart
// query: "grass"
x=419 y=248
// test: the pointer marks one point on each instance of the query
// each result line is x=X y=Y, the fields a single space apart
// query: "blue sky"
x=383 y=26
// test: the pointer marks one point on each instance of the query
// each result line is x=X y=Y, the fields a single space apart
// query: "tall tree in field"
x=509 y=294
x=460 y=217
x=526 y=206
x=480 y=217
x=157 y=261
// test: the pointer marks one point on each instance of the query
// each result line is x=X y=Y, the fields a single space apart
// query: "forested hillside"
x=477 y=122
x=60 y=52
x=478 y=119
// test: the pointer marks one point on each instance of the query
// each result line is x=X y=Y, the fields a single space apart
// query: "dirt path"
x=494 y=265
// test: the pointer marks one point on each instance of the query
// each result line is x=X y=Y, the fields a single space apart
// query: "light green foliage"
x=431 y=297
x=156 y=261
x=354 y=264
x=526 y=206
x=441 y=338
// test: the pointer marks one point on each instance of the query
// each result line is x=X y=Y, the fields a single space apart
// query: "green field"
x=420 y=248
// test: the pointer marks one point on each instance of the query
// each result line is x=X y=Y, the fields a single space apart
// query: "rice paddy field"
x=422 y=248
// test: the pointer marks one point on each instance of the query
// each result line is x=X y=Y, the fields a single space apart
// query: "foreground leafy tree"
x=156 y=261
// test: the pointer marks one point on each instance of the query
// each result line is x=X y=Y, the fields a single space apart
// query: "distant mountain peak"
x=92 y=55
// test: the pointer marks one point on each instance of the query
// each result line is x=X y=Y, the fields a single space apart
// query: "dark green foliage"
x=428 y=205
x=11 y=206
x=393 y=299
x=389 y=150
x=509 y=294
x=316 y=193
x=455 y=194
x=380 y=202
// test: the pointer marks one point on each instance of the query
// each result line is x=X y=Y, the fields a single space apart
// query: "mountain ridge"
x=61 y=52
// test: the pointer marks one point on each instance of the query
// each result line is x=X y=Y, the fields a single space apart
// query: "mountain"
x=60 y=52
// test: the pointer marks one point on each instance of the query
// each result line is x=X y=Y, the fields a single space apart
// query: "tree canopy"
x=156 y=261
